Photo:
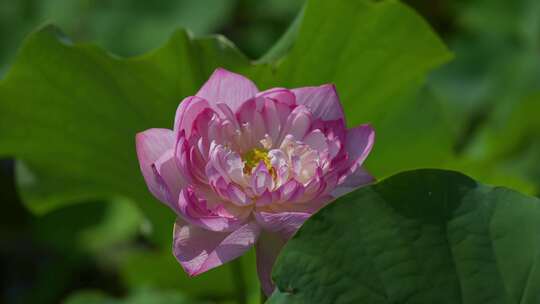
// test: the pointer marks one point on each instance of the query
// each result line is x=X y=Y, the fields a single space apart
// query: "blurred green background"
x=89 y=252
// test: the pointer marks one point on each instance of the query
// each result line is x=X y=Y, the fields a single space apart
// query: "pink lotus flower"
x=244 y=168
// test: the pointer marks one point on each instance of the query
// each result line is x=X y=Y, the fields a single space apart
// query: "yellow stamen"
x=253 y=157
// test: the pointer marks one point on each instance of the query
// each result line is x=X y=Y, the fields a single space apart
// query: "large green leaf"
x=71 y=114
x=377 y=54
x=425 y=236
